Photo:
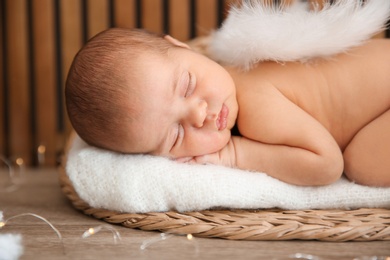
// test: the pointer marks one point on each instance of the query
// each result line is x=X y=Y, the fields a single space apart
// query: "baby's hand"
x=226 y=157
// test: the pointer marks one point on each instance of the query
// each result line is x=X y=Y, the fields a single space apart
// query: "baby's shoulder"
x=376 y=45
x=374 y=50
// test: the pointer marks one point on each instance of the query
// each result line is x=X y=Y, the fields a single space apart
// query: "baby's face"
x=188 y=105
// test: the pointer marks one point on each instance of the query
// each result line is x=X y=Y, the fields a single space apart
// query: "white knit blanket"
x=139 y=183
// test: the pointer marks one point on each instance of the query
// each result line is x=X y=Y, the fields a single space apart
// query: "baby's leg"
x=367 y=157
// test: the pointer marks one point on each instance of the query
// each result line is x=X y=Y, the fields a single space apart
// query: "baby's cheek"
x=216 y=141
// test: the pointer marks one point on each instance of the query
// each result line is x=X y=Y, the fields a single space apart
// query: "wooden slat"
x=227 y=4
x=152 y=18
x=124 y=13
x=98 y=16
x=71 y=42
x=20 y=138
x=206 y=16
x=316 y=4
x=45 y=81
x=288 y=2
x=179 y=19
x=2 y=108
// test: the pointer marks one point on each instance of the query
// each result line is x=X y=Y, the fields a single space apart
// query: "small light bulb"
x=41 y=149
x=91 y=231
x=2 y=224
x=189 y=236
x=19 y=161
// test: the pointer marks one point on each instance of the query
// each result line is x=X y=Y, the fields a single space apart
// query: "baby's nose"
x=198 y=113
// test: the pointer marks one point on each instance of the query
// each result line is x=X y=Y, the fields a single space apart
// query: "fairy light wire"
x=148 y=242
x=164 y=236
x=304 y=256
x=4 y=222
x=13 y=186
x=39 y=217
x=41 y=154
x=97 y=229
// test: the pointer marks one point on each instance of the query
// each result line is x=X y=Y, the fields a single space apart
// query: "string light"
x=18 y=178
x=164 y=236
x=10 y=185
x=4 y=222
x=151 y=241
x=41 y=153
x=304 y=256
x=14 y=175
x=20 y=163
x=94 y=230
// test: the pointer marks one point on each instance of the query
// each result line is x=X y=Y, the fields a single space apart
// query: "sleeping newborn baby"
x=131 y=91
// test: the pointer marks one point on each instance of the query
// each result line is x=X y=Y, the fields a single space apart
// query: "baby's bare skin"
x=304 y=123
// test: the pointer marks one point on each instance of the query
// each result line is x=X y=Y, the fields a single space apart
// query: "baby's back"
x=343 y=93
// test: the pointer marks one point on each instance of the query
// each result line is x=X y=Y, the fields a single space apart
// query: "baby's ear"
x=176 y=42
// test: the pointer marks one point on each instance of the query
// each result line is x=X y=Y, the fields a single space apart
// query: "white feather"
x=256 y=32
x=10 y=246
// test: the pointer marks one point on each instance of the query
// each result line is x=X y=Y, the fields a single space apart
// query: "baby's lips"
x=222 y=118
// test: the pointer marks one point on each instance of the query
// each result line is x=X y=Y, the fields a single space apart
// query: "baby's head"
x=135 y=92
x=98 y=88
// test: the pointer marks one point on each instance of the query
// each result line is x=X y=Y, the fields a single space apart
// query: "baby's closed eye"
x=190 y=86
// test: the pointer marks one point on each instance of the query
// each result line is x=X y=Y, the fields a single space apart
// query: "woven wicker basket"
x=366 y=224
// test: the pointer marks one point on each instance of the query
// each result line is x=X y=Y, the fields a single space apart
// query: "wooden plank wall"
x=39 y=39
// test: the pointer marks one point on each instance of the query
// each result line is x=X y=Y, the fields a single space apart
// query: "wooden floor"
x=40 y=194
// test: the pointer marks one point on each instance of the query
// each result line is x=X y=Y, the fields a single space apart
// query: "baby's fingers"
x=207 y=159
x=184 y=159
x=202 y=159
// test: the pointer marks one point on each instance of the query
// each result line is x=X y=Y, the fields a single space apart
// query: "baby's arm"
x=283 y=141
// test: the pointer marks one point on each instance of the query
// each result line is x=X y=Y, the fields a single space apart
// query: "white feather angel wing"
x=256 y=32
